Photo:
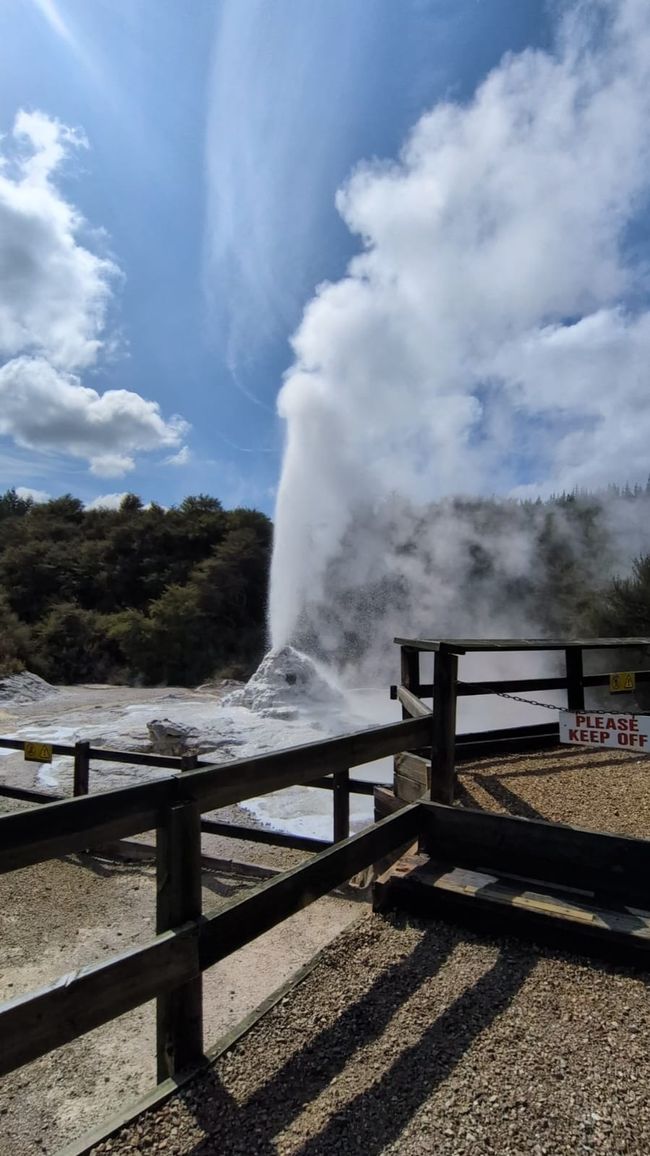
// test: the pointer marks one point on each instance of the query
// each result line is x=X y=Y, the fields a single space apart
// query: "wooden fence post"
x=410 y=672
x=575 y=687
x=179 y=1013
x=81 y=768
x=341 y=801
x=443 y=738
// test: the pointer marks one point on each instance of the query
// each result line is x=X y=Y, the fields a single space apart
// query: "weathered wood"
x=27 y=795
x=443 y=736
x=76 y=1003
x=341 y=806
x=262 y=835
x=529 y=739
x=413 y=706
x=522 y=685
x=410 y=670
x=412 y=777
x=73 y=824
x=179 y=1012
x=468 y=645
x=240 y=922
x=574 y=676
x=172 y=762
x=480 y=900
x=608 y=865
x=386 y=803
x=248 y=778
x=357 y=786
x=81 y=771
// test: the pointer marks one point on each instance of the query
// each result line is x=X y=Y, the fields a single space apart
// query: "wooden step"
x=499 y=904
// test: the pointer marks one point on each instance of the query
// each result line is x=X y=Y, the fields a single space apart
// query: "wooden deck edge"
x=394 y=891
x=161 y=1093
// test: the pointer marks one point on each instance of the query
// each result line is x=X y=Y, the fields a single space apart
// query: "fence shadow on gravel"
x=309 y=1071
x=511 y=802
x=378 y=1115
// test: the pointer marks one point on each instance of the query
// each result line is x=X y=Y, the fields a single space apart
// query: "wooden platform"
x=568 y=917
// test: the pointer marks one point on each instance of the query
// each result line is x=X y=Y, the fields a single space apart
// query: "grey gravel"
x=413 y=1038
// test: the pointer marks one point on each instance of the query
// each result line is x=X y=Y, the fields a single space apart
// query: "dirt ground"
x=60 y=915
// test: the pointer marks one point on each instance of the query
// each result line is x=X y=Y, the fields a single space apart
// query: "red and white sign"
x=628 y=731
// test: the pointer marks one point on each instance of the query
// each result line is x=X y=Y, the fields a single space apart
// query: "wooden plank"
x=28 y=796
x=443 y=739
x=81 y=771
x=179 y=1012
x=609 y=865
x=357 y=786
x=574 y=675
x=386 y=803
x=70 y=825
x=493 y=903
x=413 y=706
x=74 y=824
x=465 y=645
x=37 y=1023
x=76 y=1003
x=498 y=748
x=412 y=777
x=539 y=730
x=248 y=778
x=137 y=758
x=256 y=835
x=243 y=920
x=341 y=806
x=409 y=673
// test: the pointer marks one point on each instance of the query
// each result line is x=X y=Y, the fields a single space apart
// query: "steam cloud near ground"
x=492 y=336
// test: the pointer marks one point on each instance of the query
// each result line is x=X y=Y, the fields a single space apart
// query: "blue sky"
x=218 y=134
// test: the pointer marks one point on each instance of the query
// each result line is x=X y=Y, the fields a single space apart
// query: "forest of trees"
x=147 y=595
x=138 y=594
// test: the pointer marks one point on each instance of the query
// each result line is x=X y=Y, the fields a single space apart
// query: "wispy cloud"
x=52 y=14
x=275 y=153
x=182 y=458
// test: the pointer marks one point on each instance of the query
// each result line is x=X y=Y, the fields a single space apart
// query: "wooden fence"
x=341 y=786
x=169 y=967
x=446 y=746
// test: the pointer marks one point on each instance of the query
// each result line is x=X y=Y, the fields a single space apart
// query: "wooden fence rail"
x=169 y=967
x=82 y=753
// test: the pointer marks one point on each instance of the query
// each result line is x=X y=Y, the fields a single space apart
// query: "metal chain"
x=546 y=705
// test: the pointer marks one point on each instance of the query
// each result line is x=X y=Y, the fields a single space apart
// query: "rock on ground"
x=285 y=679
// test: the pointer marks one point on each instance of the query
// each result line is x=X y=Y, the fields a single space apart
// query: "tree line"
x=137 y=594
x=148 y=595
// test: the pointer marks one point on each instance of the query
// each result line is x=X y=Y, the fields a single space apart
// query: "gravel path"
x=413 y=1038
x=60 y=915
x=604 y=790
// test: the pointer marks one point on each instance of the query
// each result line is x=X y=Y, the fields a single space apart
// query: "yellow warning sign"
x=622 y=681
x=38 y=752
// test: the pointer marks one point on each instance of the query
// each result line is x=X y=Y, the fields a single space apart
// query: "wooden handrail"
x=59 y=828
x=35 y=1024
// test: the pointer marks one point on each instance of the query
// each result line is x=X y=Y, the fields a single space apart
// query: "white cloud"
x=35 y=495
x=54 y=291
x=41 y=407
x=181 y=458
x=54 y=297
x=494 y=329
x=107 y=501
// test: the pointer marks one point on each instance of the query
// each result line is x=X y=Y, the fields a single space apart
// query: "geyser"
x=491 y=336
